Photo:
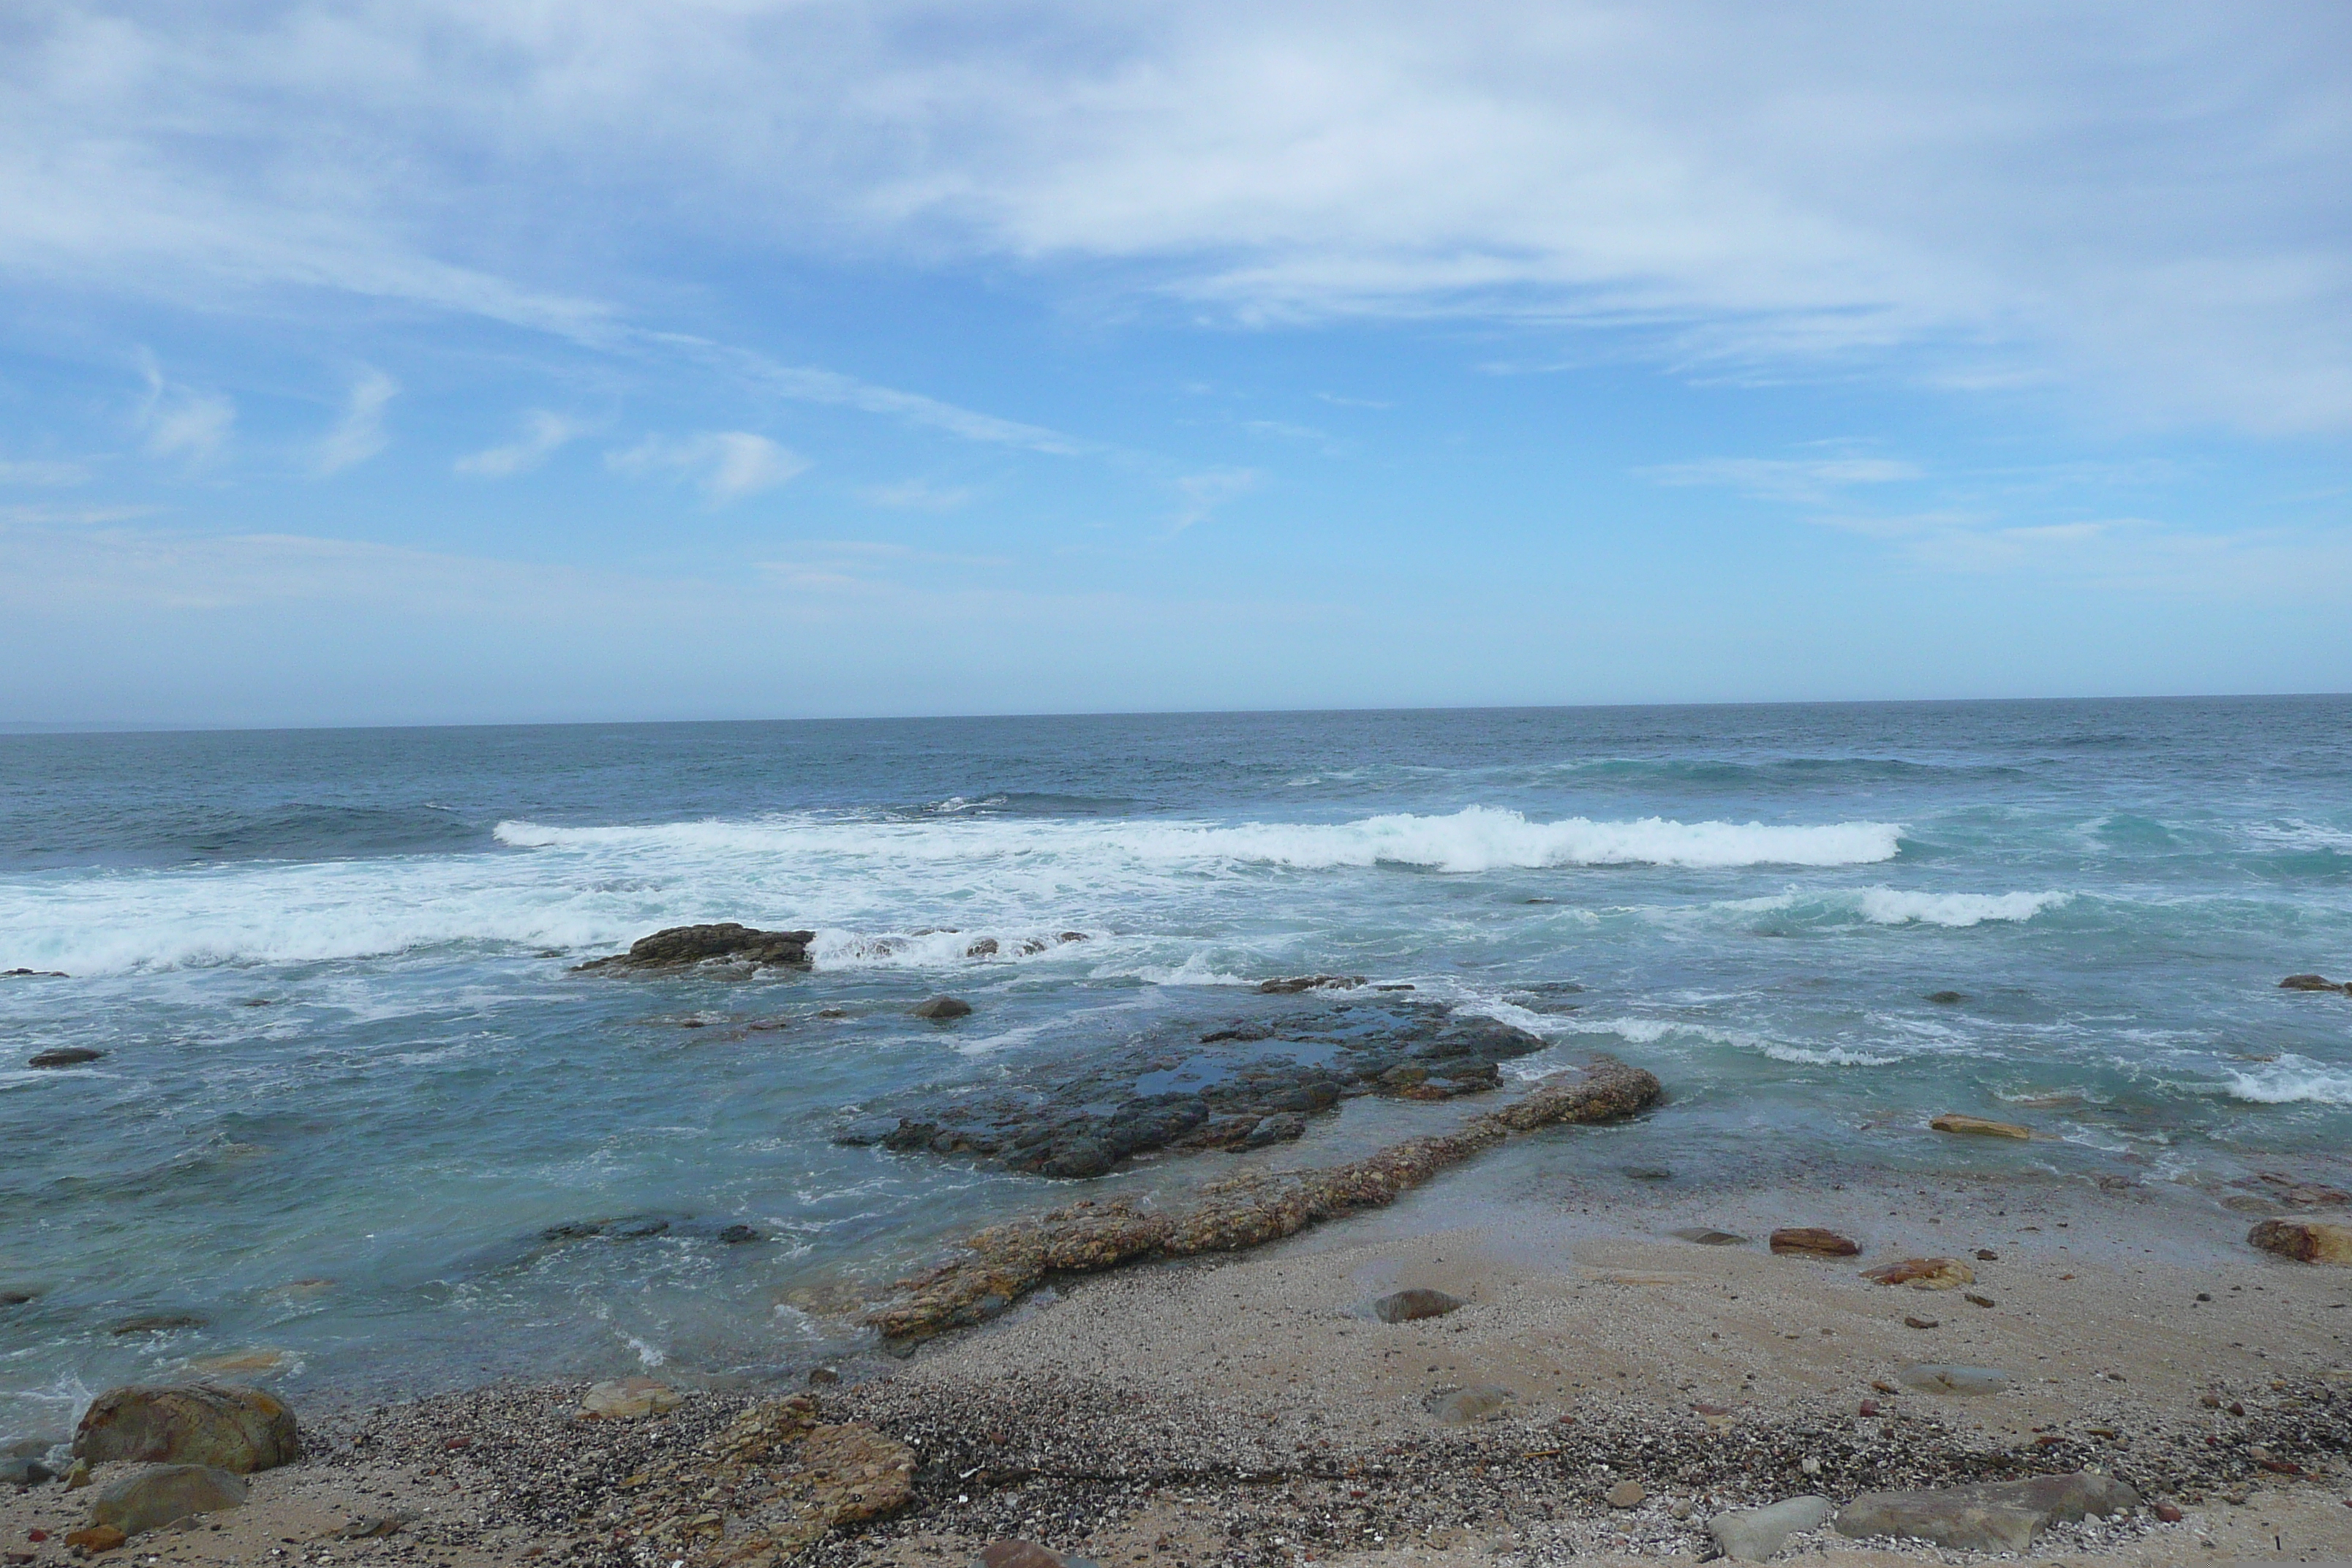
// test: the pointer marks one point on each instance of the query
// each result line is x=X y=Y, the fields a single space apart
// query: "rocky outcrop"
x=2002 y=1517
x=1003 y=1263
x=2305 y=1240
x=226 y=1427
x=1291 y=986
x=940 y=1009
x=680 y=947
x=63 y=1057
x=158 y=1495
x=1249 y=1083
x=2312 y=982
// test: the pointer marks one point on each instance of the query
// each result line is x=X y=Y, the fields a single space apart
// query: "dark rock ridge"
x=63 y=1057
x=2312 y=982
x=1253 y=1082
x=679 y=946
x=1005 y=1262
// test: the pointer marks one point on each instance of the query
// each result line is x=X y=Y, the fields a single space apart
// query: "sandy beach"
x=1246 y=1408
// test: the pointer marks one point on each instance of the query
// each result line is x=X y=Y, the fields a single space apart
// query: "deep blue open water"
x=351 y=1081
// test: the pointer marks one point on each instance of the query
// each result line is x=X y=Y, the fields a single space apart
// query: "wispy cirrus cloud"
x=47 y=472
x=726 y=465
x=1786 y=479
x=543 y=436
x=358 y=434
x=177 y=421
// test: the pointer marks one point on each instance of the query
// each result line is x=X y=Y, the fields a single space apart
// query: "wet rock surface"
x=940 y=1009
x=218 y=1425
x=1242 y=1084
x=1979 y=1126
x=2312 y=982
x=1004 y=1262
x=741 y=946
x=63 y=1057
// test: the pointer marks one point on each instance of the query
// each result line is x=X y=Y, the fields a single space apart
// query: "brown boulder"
x=230 y=1429
x=2311 y=982
x=1408 y=1306
x=1812 y=1240
x=2305 y=1240
x=155 y=1497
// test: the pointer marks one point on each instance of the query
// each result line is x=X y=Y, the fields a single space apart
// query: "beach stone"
x=1406 y=1306
x=1754 y=1534
x=1460 y=1406
x=1705 y=1237
x=679 y=946
x=2000 y=1517
x=63 y=1057
x=1625 y=1494
x=940 y=1008
x=211 y=1423
x=95 y=1538
x=1979 y=1126
x=629 y=1399
x=25 y=1469
x=2305 y=1240
x=2311 y=982
x=151 y=1497
x=1924 y=1273
x=1812 y=1240
x=1935 y=1377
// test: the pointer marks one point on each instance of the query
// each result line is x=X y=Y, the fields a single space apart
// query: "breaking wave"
x=2293 y=1080
x=1894 y=907
x=1477 y=838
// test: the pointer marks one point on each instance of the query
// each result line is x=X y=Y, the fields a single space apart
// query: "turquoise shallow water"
x=351 y=1082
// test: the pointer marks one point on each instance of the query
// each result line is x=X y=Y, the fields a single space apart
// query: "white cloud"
x=1787 y=480
x=916 y=495
x=543 y=434
x=358 y=434
x=1204 y=493
x=2145 y=200
x=41 y=471
x=180 y=422
x=728 y=465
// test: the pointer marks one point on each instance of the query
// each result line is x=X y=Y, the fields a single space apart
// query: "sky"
x=416 y=362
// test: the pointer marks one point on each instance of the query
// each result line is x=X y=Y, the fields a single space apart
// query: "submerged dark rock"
x=2312 y=983
x=680 y=946
x=940 y=1009
x=1252 y=1082
x=1293 y=984
x=1947 y=998
x=64 y=1056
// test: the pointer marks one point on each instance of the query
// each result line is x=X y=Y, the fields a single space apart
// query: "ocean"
x=360 y=1127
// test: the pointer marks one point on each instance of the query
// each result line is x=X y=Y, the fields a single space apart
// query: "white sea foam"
x=2293 y=1080
x=1650 y=1031
x=1475 y=838
x=1895 y=906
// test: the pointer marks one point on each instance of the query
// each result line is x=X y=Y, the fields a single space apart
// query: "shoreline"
x=1228 y=1408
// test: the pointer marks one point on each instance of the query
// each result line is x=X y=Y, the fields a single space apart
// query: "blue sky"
x=539 y=359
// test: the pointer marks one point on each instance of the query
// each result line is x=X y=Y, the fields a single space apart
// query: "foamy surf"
x=2293 y=1080
x=1475 y=838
